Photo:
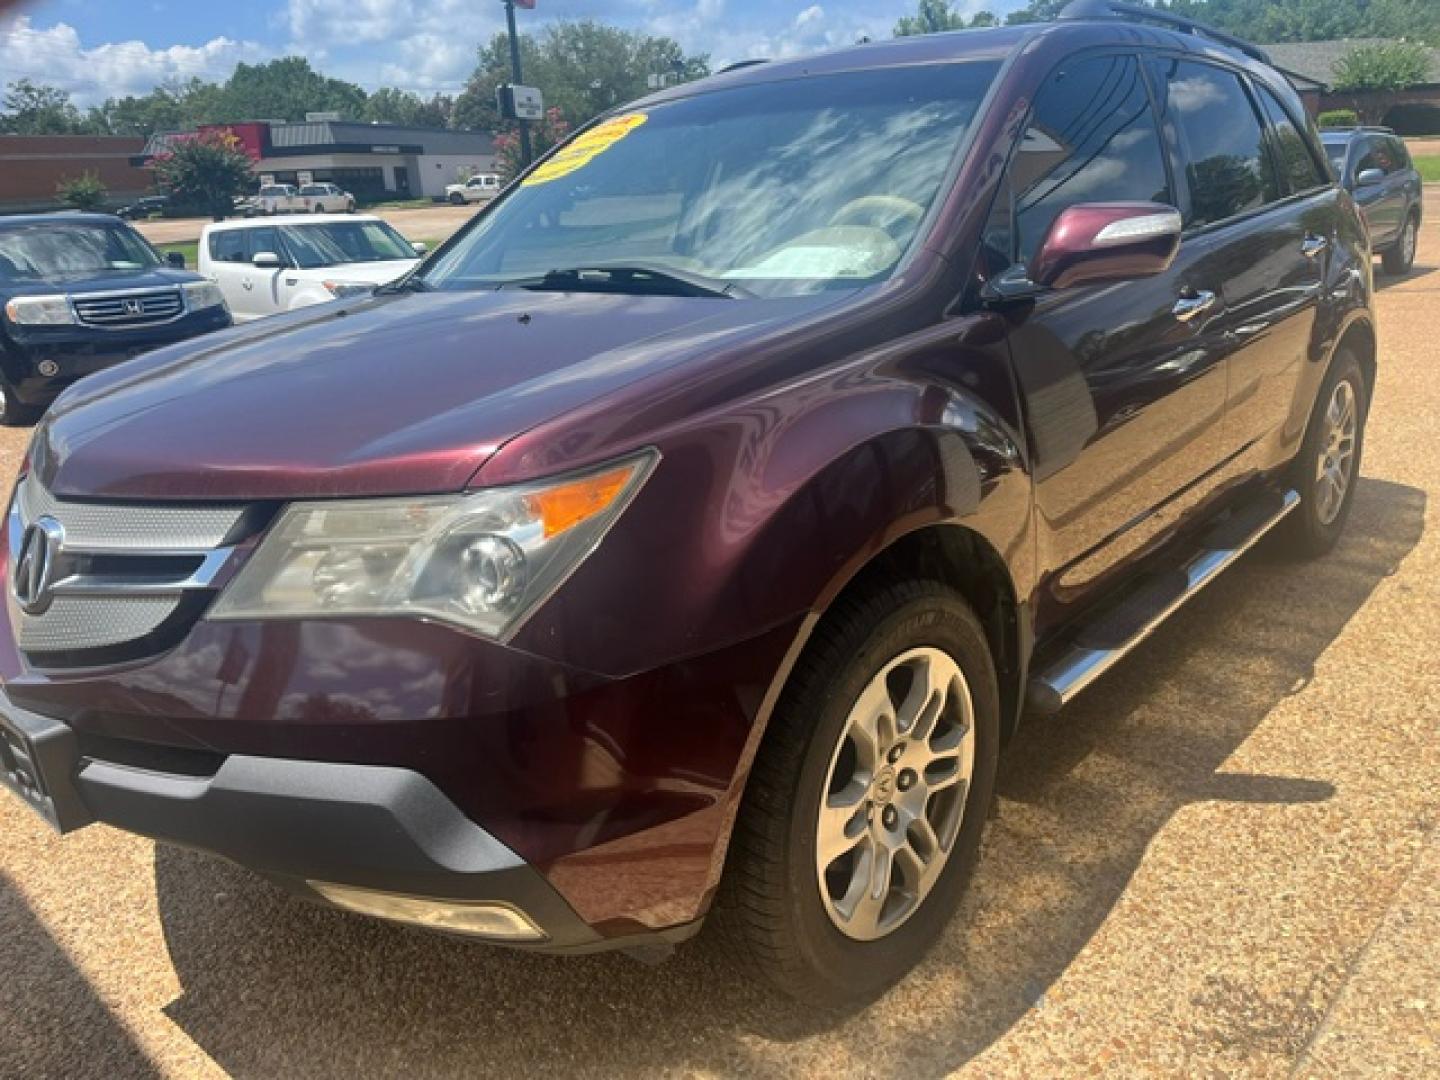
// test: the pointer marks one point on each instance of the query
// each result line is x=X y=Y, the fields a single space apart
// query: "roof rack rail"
x=738 y=64
x=1114 y=9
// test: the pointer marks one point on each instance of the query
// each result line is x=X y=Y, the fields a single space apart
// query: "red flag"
x=528 y=5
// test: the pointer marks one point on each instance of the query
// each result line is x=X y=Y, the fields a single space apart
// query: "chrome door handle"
x=247 y=283
x=1312 y=246
x=1188 y=307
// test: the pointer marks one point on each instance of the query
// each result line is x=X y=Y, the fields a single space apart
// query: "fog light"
x=498 y=922
x=48 y=367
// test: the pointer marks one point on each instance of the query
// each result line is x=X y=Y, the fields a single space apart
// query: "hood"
x=370 y=273
x=390 y=395
x=150 y=277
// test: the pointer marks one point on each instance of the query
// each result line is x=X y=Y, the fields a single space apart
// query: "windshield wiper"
x=408 y=283
x=641 y=278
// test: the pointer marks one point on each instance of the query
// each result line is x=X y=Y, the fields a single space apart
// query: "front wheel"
x=13 y=412
x=456 y=199
x=863 y=815
x=1400 y=256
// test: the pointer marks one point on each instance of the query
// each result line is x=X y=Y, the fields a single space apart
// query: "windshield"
x=66 y=249
x=783 y=188
x=335 y=243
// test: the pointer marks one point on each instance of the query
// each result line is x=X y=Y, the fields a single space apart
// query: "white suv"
x=481 y=188
x=327 y=199
x=265 y=267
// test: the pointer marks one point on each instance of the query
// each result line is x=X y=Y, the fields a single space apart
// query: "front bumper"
x=368 y=828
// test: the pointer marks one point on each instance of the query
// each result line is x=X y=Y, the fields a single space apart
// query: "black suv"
x=81 y=292
x=1374 y=165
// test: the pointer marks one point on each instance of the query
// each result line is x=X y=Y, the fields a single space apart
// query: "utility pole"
x=517 y=77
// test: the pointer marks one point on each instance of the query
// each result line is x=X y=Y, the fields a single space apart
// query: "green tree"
x=284 y=89
x=83 y=192
x=33 y=109
x=935 y=16
x=1386 y=66
x=206 y=170
x=582 y=68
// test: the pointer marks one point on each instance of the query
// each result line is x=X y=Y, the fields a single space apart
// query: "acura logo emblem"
x=134 y=307
x=34 y=577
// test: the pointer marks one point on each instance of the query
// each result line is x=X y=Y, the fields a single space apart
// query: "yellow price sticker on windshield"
x=586 y=148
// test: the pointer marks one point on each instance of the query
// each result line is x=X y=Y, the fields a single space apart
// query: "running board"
x=1099 y=644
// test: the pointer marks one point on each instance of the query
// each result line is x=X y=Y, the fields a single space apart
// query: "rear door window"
x=1292 y=150
x=228 y=246
x=1092 y=137
x=1222 y=143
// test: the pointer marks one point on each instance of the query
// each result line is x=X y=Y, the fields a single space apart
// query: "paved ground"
x=427 y=223
x=1223 y=860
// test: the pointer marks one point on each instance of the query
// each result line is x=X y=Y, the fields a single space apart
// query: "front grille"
x=130 y=309
x=123 y=573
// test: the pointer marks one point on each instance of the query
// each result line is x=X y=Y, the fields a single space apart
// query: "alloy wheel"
x=1407 y=242
x=895 y=793
x=1336 y=463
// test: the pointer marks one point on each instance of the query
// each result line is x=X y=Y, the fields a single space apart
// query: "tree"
x=284 y=89
x=33 y=109
x=1385 y=66
x=390 y=105
x=83 y=192
x=549 y=132
x=582 y=68
x=935 y=16
x=206 y=170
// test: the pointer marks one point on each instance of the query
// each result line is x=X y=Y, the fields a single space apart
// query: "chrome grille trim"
x=126 y=309
x=91 y=610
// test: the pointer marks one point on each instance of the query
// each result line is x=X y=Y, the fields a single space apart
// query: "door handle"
x=1312 y=246
x=1188 y=307
x=248 y=284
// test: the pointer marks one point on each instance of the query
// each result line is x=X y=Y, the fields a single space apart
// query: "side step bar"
x=1096 y=647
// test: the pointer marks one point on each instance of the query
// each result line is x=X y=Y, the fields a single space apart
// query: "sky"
x=101 y=48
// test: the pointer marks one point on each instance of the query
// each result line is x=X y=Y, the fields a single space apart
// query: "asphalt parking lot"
x=1222 y=860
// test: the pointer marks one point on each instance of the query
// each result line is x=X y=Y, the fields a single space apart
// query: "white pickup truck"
x=265 y=267
x=480 y=188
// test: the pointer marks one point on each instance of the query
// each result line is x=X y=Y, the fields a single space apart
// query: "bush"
x=1415 y=118
x=208 y=169
x=1338 y=118
x=84 y=192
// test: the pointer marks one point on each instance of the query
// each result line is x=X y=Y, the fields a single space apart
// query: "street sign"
x=520 y=102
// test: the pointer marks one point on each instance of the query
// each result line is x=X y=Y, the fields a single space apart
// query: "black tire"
x=1314 y=527
x=13 y=413
x=1400 y=256
x=770 y=908
x=456 y=199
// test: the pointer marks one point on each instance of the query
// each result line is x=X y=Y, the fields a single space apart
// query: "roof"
x=349 y=133
x=284 y=219
x=1316 y=60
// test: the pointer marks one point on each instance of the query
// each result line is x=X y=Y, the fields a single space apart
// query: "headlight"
x=200 y=295
x=343 y=289
x=484 y=561
x=40 y=311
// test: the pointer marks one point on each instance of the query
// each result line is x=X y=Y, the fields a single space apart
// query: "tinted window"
x=1399 y=152
x=1297 y=164
x=1221 y=140
x=1377 y=153
x=59 y=250
x=1091 y=138
x=265 y=238
x=312 y=189
x=228 y=246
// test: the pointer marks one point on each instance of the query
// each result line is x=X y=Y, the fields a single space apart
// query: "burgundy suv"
x=688 y=534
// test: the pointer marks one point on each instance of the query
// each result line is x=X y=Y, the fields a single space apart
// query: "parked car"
x=479 y=188
x=81 y=293
x=327 y=199
x=265 y=267
x=1374 y=165
x=144 y=207
x=686 y=536
x=277 y=199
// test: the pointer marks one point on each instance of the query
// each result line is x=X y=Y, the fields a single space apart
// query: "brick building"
x=31 y=166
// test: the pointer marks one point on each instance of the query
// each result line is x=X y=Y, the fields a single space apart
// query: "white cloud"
x=57 y=56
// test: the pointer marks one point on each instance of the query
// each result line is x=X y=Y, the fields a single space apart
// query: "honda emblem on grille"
x=134 y=307
x=34 y=578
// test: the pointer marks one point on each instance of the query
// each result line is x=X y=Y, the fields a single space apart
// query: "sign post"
x=517 y=78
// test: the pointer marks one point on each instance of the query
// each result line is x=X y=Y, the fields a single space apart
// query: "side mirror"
x=420 y=248
x=175 y=259
x=1370 y=177
x=1095 y=242
x=266 y=260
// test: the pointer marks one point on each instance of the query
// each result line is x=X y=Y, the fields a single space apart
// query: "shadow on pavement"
x=272 y=985
x=1417 y=272
x=51 y=1021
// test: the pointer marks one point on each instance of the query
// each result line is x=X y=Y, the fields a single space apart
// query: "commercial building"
x=375 y=161
x=32 y=165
